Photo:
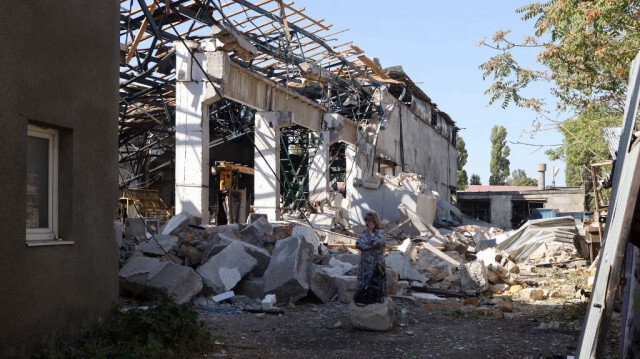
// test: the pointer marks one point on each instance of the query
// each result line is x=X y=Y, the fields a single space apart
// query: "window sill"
x=54 y=242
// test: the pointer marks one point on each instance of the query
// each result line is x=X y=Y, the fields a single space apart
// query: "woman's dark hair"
x=373 y=216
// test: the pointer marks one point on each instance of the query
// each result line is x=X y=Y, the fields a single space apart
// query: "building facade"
x=58 y=111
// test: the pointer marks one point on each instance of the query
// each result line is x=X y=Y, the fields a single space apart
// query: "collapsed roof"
x=291 y=48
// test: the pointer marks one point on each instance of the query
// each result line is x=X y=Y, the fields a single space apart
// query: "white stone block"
x=223 y=296
x=374 y=317
x=268 y=302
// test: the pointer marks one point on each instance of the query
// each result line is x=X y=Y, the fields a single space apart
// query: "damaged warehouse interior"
x=258 y=69
x=251 y=145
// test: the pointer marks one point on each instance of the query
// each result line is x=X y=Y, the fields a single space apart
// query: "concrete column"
x=319 y=167
x=267 y=162
x=193 y=97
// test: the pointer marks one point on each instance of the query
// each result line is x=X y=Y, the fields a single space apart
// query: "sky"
x=436 y=44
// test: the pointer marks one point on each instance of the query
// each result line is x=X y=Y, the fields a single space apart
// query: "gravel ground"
x=505 y=325
x=443 y=329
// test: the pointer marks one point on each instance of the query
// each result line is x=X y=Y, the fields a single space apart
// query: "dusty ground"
x=451 y=328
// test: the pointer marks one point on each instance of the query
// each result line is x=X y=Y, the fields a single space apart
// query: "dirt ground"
x=451 y=328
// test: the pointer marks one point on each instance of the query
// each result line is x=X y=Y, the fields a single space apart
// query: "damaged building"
x=244 y=134
x=224 y=109
x=258 y=111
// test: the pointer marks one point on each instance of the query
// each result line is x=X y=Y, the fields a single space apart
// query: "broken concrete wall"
x=68 y=81
x=384 y=201
x=426 y=151
x=394 y=192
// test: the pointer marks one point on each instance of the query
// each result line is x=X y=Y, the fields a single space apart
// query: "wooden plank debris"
x=143 y=28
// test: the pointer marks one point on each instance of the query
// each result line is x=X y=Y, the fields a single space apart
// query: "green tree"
x=461 y=160
x=519 y=178
x=475 y=180
x=499 y=165
x=585 y=48
x=584 y=144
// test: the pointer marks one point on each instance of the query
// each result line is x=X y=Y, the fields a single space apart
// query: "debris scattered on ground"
x=265 y=267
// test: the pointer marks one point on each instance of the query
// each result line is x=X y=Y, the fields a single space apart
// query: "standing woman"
x=371 y=269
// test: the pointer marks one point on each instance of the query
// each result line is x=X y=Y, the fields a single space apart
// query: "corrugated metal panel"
x=612 y=136
x=539 y=233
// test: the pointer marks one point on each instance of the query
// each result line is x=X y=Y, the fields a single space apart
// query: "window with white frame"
x=42 y=183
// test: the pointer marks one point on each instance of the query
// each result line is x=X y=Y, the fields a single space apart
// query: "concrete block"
x=177 y=222
x=346 y=285
x=348 y=257
x=177 y=282
x=255 y=232
x=268 y=302
x=252 y=287
x=401 y=263
x=231 y=230
x=473 y=277
x=192 y=255
x=224 y=270
x=223 y=296
x=322 y=284
x=487 y=256
x=392 y=281
x=222 y=240
x=146 y=278
x=288 y=273
x=426 y=206
x=437 y=267
x=338 y=268
x=230 y=40
x=310 y=235
x=405 y=246
x=138 y=269
x=374 y=317
x=159 y=246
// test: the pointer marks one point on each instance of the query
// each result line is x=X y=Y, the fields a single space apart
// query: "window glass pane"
x=37 y=182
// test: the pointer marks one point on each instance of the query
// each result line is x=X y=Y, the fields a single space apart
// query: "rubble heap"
x=262 y=266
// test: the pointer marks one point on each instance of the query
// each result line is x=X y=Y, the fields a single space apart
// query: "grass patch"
x=164 y=330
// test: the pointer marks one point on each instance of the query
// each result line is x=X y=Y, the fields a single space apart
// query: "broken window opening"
x=522 y=211
x=478 y=209
x=231 y=153
x=296 y=149
x=338 y=167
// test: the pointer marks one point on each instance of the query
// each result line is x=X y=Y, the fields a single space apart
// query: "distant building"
x=508 y=206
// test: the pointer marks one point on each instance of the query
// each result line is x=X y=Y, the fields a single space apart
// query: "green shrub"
x=164 y=330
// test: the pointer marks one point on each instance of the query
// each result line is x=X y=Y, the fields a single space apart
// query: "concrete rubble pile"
x=263 y=266
x=251 y=260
